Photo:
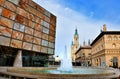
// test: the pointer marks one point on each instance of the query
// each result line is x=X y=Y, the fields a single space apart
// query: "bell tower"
x=75 y=45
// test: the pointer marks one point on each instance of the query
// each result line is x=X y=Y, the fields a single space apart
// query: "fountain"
x=67 y=71
x=66 y=63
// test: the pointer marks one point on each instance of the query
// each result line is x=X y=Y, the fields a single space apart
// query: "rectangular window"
x=45 y=30
x=44 y=23
x=52 y=45
x=28 y=30
x=50 y=51
x=47 y=13
x=19 y=27
x=14 y=1
x=44 y=43
x=36 y=48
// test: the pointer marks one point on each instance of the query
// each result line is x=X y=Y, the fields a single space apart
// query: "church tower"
x=75 y=45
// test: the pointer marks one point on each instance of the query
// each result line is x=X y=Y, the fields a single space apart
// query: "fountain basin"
x=78 y=73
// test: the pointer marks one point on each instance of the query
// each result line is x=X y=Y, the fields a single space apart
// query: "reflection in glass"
x=44 y=43
x=50 y=51
x=45 y=30
x=19 y=27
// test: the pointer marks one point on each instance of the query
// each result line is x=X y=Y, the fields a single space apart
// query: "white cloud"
x=68 y=20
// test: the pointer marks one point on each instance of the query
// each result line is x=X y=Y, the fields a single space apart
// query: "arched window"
x=109 y=38
x=114 y=45
x=115 y=38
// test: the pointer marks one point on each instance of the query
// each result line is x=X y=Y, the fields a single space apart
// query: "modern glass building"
x=26 y=26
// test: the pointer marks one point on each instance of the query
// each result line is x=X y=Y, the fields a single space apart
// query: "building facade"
x=83 y=55
x=106 y=49
x=75 y=45
x=26 y=30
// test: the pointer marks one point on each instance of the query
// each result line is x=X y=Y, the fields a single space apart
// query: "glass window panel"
x=27 y=46
x=36 y=48
x=50 y=51
x=45 y=30
x=9 y=14
x=5 y=31
x=37 y=33
x=16 y=43
x=1 y=2
x=44 y=49
x=47 y=19
x=36 y=40
x=45 y=36
x=14 y=1
x=6 y=22
x=21 y=12
x=19 y=27
x=47 y=13
x=46 y=24
x=44 y=43
x=10 y=6
x=52 y=45
x=28 y=38
x=4 y=41
x=29 y=30
x=38 y=27
x=17 y=35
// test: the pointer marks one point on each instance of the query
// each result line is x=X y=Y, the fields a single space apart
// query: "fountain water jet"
x=66 y=62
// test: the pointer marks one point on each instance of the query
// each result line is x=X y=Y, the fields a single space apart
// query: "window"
x=44 y=43
x=114 y=45
x=51 y=45
x=50 y=51
x=45 y=30
x=109 y=38
x=19 y=27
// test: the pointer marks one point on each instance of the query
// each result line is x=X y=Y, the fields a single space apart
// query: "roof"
x=83 y=47
x=104 y=33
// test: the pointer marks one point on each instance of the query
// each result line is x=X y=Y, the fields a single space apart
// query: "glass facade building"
x=26 y=26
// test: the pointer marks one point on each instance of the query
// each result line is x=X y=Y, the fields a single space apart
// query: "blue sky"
x=87 y=15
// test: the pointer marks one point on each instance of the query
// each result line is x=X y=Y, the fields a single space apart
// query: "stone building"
x=83 y=55
x=27 y=33
x=106 y=49
x=75 y=45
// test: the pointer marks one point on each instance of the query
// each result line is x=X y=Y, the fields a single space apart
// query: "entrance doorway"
x=115 y=62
